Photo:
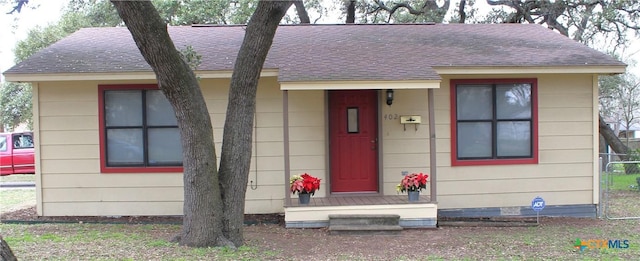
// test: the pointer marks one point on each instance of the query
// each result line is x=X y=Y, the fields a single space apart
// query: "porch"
x=422 y=214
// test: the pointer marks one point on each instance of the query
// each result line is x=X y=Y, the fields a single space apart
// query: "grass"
x=552 y=240
x=14 y=199
x=623 y=197
x=18 y=178
x=621 y=181
x=549 y=241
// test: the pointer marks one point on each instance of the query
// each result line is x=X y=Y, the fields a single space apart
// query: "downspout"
x=432 y=146
x=596 y=141
x=35 y=100
x=255 y=146
x=285 y=141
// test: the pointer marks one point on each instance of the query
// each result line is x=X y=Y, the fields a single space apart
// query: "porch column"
x=285 y=141
x=432 y=146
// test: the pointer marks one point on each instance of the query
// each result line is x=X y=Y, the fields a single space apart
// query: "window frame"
x=103 y=134
x=494 y=161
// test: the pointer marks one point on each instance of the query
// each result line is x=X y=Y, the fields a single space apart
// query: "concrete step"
x=365 y=230
x=364 y=224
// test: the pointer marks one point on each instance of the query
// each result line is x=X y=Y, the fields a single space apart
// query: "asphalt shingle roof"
x=331 y=52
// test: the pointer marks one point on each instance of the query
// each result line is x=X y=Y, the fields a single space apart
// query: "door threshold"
x=355 y=194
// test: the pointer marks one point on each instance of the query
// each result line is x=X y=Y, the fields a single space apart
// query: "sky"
x=42 y=12
x=47 y=11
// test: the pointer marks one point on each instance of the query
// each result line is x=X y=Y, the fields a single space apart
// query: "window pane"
x=159 y=110
x=513 y=101
x=514 y=139
x=474 y=140
x=22 y=141
x=124 y=147
x=352 y=120
x=3 y=143
x=165 y=147
x=123 y=108
x=474 y=102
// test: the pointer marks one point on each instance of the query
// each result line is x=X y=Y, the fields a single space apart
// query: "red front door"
x=353 y=140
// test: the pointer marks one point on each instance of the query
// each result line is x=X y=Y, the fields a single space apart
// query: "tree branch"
x=397 y=6
x=461 y=12
x=302 y=12
x=18 y=6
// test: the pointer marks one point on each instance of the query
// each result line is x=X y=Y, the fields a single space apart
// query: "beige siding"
x=70 y=157
x=71 y=182
x=70 y=162
x=404 y=148
x=565 y=171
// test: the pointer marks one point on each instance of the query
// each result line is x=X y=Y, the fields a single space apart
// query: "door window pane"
x=474 y=140
x=513 y=101
x=159 y=110
x=514 y=139
x=125 y=147
x=352 y=120
x=123 y=108
x=474 y=102
x=165 y=147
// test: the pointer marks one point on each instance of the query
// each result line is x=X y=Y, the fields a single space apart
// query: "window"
x=22 y=141
x=494 y=122
x=138 y=130
x=3 y=143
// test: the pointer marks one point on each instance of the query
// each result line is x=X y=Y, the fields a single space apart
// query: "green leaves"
x=15 y=104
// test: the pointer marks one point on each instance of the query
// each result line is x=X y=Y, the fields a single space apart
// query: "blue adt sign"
x=537 y=204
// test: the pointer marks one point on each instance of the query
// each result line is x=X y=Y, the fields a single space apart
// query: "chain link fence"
x=620 y=187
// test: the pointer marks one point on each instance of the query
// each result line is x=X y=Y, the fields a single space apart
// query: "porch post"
x=432 y=146
x=285 y=141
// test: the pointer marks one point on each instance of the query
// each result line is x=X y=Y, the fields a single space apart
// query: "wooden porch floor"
x=359 y=200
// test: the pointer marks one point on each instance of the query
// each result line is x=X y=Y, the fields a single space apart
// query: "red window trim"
x=534 y=119
x=103 y=151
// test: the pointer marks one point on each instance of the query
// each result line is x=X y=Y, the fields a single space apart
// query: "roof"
x=331 y=52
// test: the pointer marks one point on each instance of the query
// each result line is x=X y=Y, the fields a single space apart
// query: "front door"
x=353 y=140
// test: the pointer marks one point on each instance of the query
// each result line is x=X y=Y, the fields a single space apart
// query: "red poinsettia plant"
x=304 y=183
x=413 y=182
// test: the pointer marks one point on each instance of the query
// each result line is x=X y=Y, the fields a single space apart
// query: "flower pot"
x=304 y=198
x=414 y=196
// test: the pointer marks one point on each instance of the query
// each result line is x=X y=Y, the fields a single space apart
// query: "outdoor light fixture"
x=389 y=97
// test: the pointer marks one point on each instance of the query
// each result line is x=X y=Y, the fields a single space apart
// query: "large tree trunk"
x=622 y=151
x=616 y=144
x=5 y=251
x=202 y=221
x=238 y=127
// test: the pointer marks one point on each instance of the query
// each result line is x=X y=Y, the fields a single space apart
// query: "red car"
x=16 y=153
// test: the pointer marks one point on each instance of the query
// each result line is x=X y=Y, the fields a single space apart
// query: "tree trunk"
x=351 y=12
x=202 y=221
x=5 y=251
x=302 y=12
x=461 y=12
x=613 y=140
x=238 y=127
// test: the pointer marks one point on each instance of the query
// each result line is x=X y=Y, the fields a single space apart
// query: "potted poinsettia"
x=305 y=185
x=413 y=184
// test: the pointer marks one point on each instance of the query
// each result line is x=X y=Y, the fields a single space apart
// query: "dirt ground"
x=551 y=240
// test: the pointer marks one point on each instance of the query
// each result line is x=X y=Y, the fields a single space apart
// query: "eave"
x=115 y=76
x=610 y=69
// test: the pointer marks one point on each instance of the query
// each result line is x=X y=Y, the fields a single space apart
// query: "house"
x=497 y=114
